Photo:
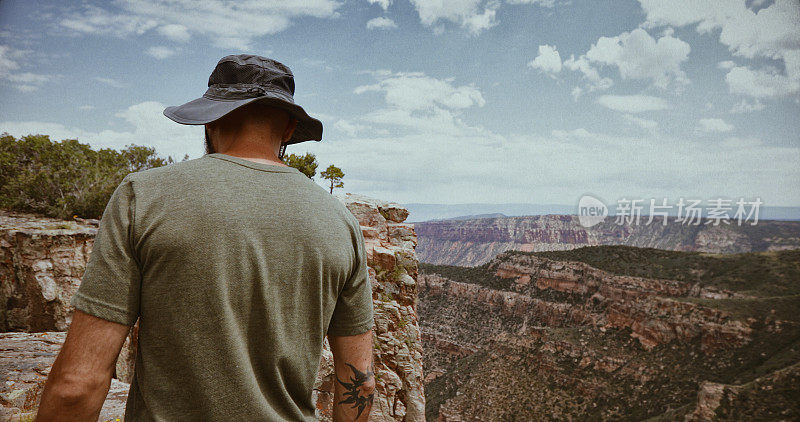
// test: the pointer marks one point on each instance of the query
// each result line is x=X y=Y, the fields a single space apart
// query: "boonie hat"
x=241 y=79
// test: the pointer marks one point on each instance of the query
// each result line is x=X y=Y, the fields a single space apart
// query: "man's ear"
x=289 y=131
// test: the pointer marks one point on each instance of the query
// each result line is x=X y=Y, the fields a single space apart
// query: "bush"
x=66 y=178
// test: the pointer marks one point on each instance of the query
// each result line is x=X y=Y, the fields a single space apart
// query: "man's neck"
x=253 y=152
x=258 y=158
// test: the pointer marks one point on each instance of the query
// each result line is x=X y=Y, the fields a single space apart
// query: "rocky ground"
x=42 y=262
x=648 y=334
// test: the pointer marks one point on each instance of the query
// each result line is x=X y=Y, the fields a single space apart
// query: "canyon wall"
x=524 y=336
x=42 y=262
x=470 y=242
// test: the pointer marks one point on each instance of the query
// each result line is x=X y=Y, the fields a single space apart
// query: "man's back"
x=236 y=270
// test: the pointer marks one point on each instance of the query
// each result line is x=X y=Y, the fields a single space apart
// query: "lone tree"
x=307 y=164
x=334 y=174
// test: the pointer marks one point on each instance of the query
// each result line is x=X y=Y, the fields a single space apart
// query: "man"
x=235 y=265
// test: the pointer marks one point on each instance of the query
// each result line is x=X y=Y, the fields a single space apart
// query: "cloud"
x=542 y=3
x=227 y=24
x=148 y=125
x=97 y=20
x=160 y=52
x=637 y=55
x=10 y=59
x=175 y=32
x=86 y=107
x=110 y=82
x=348 y=127
x=467 y=13
x=762 y=83
x=415 y=91
x=632 y=103
x=745 y=106
x=595 y=82
x=565 y=165
x=714 y=125
x=28 y=78
x=548 y=60
x=381 y=23
x=643 y=123
x=384 y=4
x=726 y=65
x=769 y=33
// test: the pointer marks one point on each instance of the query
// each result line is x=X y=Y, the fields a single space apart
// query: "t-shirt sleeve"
x=353 y=313
x=111 y=283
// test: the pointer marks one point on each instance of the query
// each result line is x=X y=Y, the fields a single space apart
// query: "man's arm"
x=80 y=377
x=355 y=381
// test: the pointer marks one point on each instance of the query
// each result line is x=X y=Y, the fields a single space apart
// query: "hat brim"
x=205 y=110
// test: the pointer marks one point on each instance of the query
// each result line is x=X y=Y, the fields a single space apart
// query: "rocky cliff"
x=639 y=333
x=42 y=262
x=475 y=241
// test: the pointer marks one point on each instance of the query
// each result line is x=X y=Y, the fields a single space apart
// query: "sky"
x=444 y=101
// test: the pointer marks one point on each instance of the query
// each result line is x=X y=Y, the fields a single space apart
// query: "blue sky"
x=458 y=101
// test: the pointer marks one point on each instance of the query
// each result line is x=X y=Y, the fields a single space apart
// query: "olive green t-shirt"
x=236 y=270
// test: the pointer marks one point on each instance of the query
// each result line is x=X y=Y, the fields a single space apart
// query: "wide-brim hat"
x=242 y=79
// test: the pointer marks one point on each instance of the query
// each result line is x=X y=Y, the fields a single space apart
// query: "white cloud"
x=726 y=64
x=348 y=127
x=110 y=82
x=542 y=3
x=149 y=127
x=632 y=103
x=470 y=14
x=28 y=78
x=416 y=91
x=384 y=4
x=745 y=106
x=86 y=107
x=714 y=125
x=548 y=60
x=637 y=55
x=227 y=24
x=643 y=123
x=767 y=33
x=761 y=83
x=10 y=59
x=595 y=82
x=576 y=92
x=381 y=23
x=770 y=33
x=175 y=32
x=160 y=52
x=566 y=164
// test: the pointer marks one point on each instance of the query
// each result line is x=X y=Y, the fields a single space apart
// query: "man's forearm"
x=354 y=394
x=72 y=401
x=354 y=388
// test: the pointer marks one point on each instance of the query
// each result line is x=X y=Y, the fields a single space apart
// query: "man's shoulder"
x=158 y=173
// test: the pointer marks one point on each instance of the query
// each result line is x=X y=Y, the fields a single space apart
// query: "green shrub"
x=67 y=178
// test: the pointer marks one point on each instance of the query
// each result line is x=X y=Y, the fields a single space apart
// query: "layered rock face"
x=393 y=270
x=525 y=336
x=41 y=265
x=476 y=241
x=42 y=261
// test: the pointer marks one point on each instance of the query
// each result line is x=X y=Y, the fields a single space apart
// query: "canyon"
x=474 y=241
x=42 y=261
x=613 y=332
